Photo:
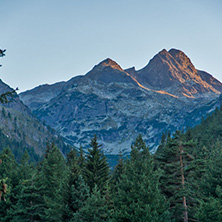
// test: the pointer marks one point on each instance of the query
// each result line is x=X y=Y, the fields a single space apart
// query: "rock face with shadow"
x=167 y=94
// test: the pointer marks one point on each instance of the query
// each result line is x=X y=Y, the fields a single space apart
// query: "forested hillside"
x=22 y=132
x=182 y=181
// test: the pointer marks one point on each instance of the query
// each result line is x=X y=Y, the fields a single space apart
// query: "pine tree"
x=96 y=170
x=138 y=197
x=176 y=181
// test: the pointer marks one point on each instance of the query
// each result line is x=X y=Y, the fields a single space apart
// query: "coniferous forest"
x=182 y=181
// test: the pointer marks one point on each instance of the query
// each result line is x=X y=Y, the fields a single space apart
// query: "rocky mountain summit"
x=167 y=94
x=174 y=72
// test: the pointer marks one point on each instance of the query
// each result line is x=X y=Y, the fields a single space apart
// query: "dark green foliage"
x=29 y=206
x=2 y=52
x=24 y=209
x=213 y=172
x=77 y=190
x=79 y=194
x=118 y=171
x=8 y=176
x=95 y=209
x=209 y=131
x=178 y=173
x=81 y=158
x=142 y=188
x=51 y=180
x=72 y=162
x=96 y=170
x=210 y=210
x=9 y=166
x=138 y=197
x=18 y=148
x=7 y=96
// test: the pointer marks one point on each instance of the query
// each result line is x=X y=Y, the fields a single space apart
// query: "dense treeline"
x=182 y=181
x=18 y=148
x=82 y=187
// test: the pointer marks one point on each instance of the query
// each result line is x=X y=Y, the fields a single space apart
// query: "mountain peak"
x=173 y=68
x=182 y=59
x=163 y=52
x=110 y=63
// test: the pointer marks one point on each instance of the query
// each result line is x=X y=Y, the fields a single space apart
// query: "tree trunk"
x=182 y=182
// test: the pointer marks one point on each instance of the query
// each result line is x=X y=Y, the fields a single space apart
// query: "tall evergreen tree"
x=51 y=183
x=23 y=209
x=78 y=195
x=138 y=197
x=176 y=181
x=77 y=190
x=30 y=205
x=96 y=170
x=118 y=171
x=95 y=209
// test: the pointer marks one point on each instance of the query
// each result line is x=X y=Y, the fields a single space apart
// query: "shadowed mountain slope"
x=117 y=105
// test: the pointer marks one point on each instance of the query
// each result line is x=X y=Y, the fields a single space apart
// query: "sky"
x=47 y=41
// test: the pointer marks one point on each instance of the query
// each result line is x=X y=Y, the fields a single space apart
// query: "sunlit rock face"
x=116 y=104
x=174 y=72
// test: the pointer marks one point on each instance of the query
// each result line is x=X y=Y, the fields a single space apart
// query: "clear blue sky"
x=53 y=40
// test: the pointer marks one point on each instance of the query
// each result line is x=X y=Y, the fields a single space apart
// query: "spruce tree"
x=118 y=171
x=51 y=182
x=79 y=194
x=138 y=197
x=177 y=179
x=76 y=183
x=96 y=172
x=30 y=205
x=25 y=172
x=95 y=209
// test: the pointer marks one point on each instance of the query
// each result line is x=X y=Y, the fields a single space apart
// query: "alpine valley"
x=169 y=93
